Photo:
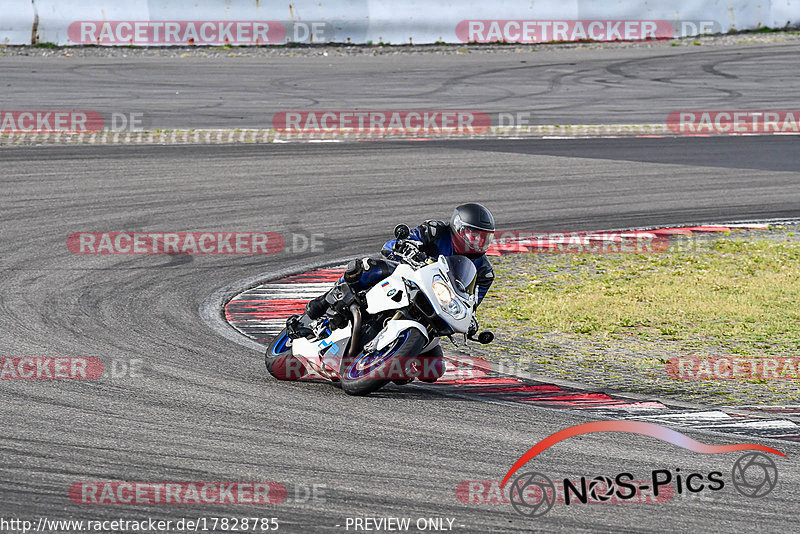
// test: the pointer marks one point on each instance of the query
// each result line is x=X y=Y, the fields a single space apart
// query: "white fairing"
x=425 y=278
x=327 y=353
x=393 y=329
x=379 y=297
x=313 y=350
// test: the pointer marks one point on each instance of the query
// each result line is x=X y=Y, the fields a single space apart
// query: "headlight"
x=446 y=299
x=443 y=293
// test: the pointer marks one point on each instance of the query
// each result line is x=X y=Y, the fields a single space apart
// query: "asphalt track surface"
x=203 y=408
x=571 y=86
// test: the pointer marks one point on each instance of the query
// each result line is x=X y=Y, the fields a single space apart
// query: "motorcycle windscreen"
x=463 y=274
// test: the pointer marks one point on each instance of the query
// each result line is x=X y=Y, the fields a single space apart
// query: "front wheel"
x=366 y=373
x=279 y=359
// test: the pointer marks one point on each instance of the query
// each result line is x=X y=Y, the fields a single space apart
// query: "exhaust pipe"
x=355 y=337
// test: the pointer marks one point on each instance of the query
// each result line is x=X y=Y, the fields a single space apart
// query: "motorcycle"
x=391 y=332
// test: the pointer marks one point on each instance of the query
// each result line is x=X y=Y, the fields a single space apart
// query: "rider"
x=469 y=233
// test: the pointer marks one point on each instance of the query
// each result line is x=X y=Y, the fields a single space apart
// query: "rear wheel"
x=366 y=373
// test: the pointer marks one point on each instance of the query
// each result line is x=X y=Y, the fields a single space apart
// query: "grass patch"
x=765 y=29
x=738 y=294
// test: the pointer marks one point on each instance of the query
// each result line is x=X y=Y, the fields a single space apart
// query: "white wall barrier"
x=214 y=22
x=16 y=21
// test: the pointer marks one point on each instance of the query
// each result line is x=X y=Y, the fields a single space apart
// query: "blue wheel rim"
x=366 y=363
x=281 y=345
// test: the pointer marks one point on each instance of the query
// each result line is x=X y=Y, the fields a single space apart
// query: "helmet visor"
x=472 y=241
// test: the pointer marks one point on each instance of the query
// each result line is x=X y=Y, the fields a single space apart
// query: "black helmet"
x=472 y=227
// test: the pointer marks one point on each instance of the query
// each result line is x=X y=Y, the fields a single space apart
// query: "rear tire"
x=364 y=373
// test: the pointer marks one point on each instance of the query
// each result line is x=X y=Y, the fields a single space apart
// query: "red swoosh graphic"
x=634 y=427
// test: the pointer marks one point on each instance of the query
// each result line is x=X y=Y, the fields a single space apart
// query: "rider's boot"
x=317 y=306
x=315 y=309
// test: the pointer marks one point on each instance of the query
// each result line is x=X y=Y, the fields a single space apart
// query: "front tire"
x=366 y=373
x=279 y=359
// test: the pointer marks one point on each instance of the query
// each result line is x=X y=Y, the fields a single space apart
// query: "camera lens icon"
x=755 y=474
x=601 y=489
x=532 y=494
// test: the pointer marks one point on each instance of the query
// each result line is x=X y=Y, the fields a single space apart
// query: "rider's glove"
x=410 y=249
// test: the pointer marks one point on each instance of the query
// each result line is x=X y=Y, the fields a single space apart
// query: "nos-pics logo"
x=533 y=494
